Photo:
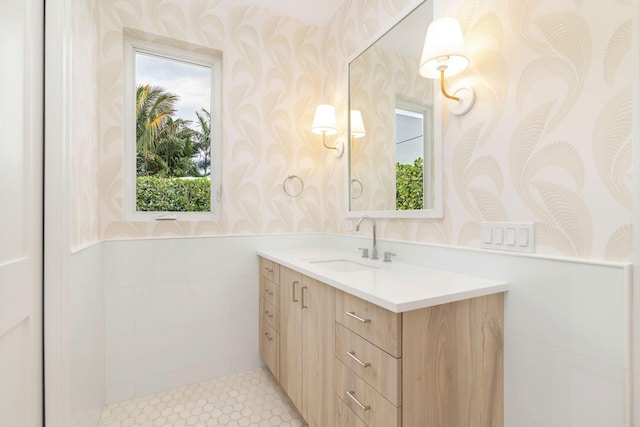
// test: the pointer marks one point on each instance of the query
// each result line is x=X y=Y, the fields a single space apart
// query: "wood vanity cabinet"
x=307 y=340
x=440 y=366
x=269 y=325
x=346 y=362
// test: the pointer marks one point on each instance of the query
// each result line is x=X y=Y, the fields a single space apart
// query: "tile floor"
x=251 y=398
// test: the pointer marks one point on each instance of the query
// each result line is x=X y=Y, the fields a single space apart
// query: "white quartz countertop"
x=396 y=286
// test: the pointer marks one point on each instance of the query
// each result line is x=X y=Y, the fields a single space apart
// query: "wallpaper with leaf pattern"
x=85 y=135
x=271 y=81
x=548 y=141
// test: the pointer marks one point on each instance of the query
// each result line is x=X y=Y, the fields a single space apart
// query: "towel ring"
x=289 y=179
x=356 y=181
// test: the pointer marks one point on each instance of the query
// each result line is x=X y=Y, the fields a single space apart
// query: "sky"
x=191 y=82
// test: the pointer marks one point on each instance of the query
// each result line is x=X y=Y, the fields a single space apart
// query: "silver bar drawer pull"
x=355 y=316
x=267 y=337
x=352 y=355
x=363 y=407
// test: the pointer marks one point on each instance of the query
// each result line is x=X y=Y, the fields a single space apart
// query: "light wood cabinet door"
x=291 y=334
x=453 y=364
x=318 y=344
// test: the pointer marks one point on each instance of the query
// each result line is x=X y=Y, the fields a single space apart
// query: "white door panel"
x=21 y=147
x=16 y=294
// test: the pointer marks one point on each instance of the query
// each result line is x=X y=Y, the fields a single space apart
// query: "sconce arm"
x=443 y=89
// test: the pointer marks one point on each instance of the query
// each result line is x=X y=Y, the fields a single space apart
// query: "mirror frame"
x=437 y=211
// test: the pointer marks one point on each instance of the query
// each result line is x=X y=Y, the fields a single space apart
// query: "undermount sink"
x=343 y=265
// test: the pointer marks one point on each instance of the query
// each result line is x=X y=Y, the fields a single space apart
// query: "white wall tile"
x=210 y=299
x=192 y=375
x=118 y=392
x=245 y=363
x=144 y=354
x=159 y=307
x=576 y=307
x=209 y=342
x=584 y=392
x=119 y=311
x=527 y=379
x=86 y=334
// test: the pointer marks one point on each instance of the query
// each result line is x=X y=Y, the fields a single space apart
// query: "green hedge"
x=409 y=186
x=155 y=194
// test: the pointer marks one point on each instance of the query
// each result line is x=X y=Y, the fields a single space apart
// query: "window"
x=172 y=159
x=413 y=145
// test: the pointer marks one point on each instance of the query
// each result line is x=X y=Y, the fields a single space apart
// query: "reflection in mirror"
x=393 y=167
x=413 y=128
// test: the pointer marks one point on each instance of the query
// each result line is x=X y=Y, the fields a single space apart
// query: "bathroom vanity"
x=356 y=342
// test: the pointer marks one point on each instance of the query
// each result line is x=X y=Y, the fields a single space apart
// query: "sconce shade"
x=324 y=122
x=444 y=48
x=357 y=125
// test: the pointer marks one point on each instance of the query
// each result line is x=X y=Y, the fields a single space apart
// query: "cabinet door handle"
x=363 y=407
x=293 y=290
x=358 y=318
x=352 y=355
x=267 y=337
x=304 y=305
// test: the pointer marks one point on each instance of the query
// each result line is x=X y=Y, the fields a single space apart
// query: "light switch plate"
x=508 y=236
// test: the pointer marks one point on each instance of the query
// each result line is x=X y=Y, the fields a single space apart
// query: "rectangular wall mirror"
x=395 y=155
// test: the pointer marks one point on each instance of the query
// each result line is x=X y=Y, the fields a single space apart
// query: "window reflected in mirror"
x=413 y=130
x=395 y=166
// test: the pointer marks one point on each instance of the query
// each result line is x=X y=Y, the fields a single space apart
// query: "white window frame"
x=133 y=46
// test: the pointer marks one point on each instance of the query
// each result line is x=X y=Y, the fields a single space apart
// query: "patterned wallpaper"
x=271 y=81
x=548 y=141
x=85 y=137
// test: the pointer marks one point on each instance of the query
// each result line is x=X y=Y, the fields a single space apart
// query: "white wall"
x=182 y=311
x=85 y=308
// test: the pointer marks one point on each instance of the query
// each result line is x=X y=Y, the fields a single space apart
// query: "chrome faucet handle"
x=365 y=252
x=387 y=256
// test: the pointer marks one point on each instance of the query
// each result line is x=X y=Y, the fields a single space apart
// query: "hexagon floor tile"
x=251 y=398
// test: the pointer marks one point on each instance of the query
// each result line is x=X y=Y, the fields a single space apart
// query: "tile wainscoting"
x=181 y=311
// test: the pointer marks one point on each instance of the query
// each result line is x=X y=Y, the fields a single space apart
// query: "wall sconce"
x=444 y=54
x=324 y=123
x=357 y=126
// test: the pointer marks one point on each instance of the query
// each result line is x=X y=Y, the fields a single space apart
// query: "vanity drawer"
x=270 y=315
x=363 y=400
x=269 y=349
x=376 y=367
x=375 y=324
x=269 y=270
x=269 y=290
x=345 y=417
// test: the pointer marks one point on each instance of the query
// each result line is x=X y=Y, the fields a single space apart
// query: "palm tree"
x=154 y=106
x=175 y=148
x=202 y=141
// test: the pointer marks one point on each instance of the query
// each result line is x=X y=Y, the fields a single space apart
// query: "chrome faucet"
x=374 y=252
